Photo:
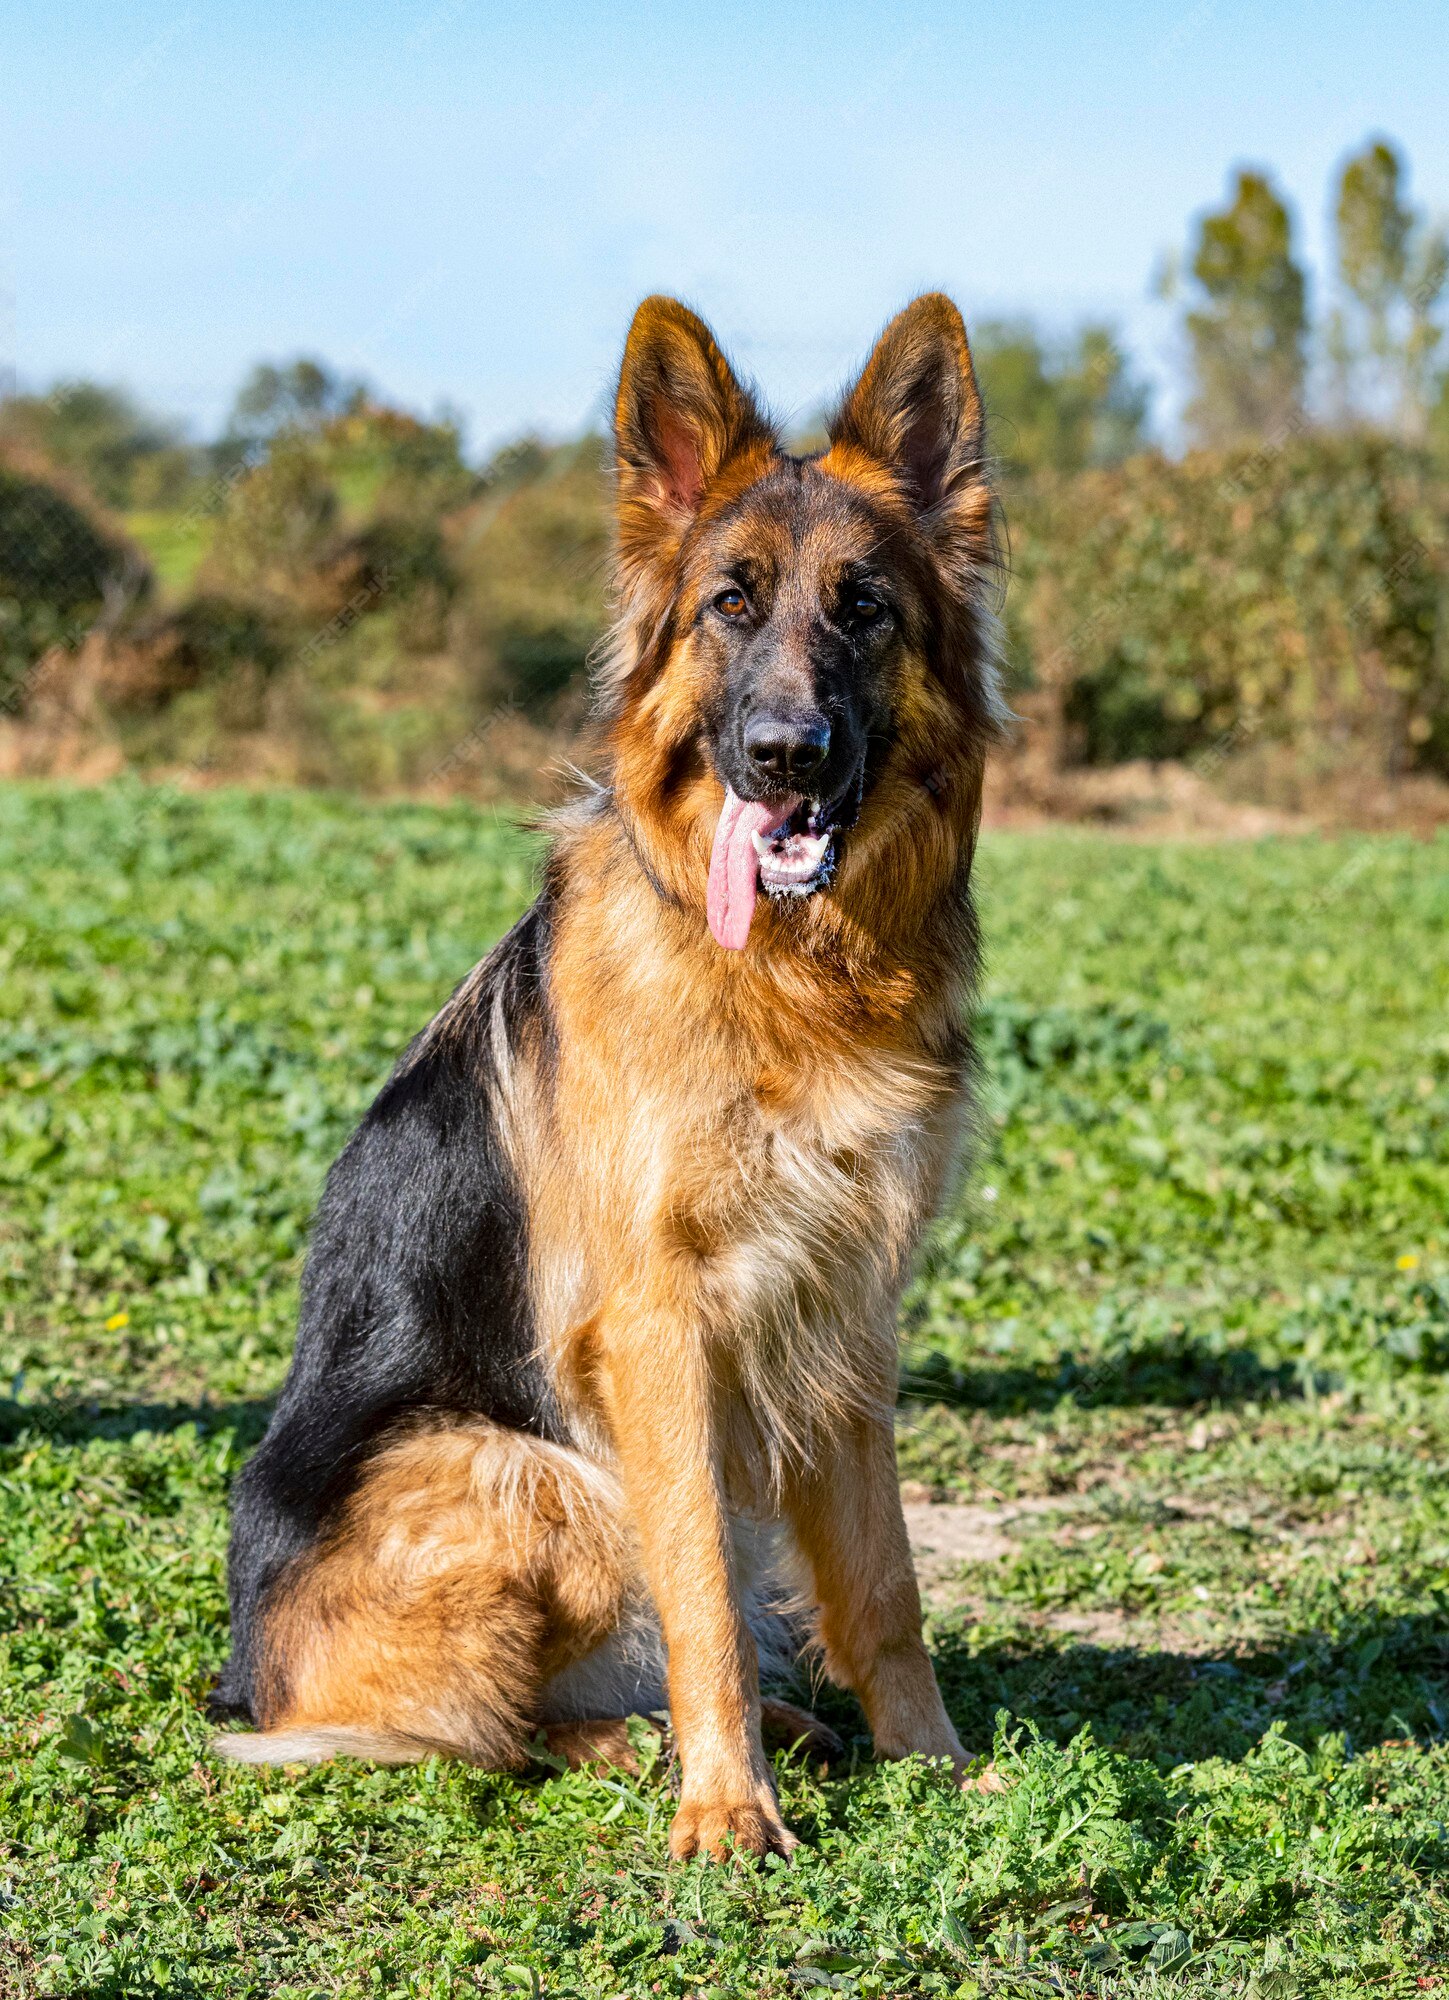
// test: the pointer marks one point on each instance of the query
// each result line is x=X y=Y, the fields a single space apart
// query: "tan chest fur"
x=764 y=1190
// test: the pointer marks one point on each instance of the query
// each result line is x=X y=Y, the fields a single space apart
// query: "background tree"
x=126 y=457
x=1248 y=326
x=1058 y=408
x=299 y=395
x=1392 y=269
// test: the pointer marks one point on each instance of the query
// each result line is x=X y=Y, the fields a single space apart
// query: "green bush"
x=56 y=568
x=533 y=558
x=278 y=524
x=400 y=556
x=1292 y=603
x=209 y=641
x=341 y=523
x=113 y=449
x=1297 y=595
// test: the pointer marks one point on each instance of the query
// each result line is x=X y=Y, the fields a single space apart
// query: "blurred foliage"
x=340 y=588
x=124 y=457
x=58 y=567
x=210 y=642
x=1297 y=596
x=277 y=397
x=533 y=557
x=316 y=611
x=378 y=602
x=277 y=525
x=1057 y=409
x=1393 y=268
x=1247 y=323
x=357 y=503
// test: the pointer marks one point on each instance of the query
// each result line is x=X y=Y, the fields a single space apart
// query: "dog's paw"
x=978 y=1775
x=786 y=1727
x=715 y=1832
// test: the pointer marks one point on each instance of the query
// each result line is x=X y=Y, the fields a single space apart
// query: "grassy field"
x=1175 y=1361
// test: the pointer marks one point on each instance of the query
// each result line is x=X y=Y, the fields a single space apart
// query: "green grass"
x=174 y=542
x=1180 y=1348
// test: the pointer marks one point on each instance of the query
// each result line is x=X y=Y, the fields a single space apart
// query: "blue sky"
x=464 y=201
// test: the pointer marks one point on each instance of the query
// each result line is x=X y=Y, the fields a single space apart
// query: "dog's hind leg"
x=604 y=1740
x=846 y=1512
x=471 y=1563
x=607 y=1739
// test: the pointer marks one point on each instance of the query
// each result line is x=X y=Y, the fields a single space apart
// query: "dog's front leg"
x=845 y=1509
x=661 y=1408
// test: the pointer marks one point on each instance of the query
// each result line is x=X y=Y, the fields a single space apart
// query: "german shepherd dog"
x=592 y=1396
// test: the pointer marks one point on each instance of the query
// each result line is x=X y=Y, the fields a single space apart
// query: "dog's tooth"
x=795 y=864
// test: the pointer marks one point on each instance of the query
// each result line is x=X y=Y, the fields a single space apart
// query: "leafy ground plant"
x=1174 y=1439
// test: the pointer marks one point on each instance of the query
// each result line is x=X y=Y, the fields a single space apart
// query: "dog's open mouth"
x=795 y=858
x=784 y=846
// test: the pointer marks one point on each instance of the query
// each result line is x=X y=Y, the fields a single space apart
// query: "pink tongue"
x=734 y=866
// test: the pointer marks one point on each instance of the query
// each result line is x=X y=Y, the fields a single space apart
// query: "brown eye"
x=731 y=604
x=867 y=607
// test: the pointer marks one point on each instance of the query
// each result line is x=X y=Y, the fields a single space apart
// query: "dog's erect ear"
x=680 y=417
x=916 y=408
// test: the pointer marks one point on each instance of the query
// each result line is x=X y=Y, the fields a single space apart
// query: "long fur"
x=591 y=1402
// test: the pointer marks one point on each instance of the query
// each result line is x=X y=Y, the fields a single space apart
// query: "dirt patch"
x=1150 y=801
x=514 y=761
x=944 y=1537
x=1144 y=800
x=945 y=1534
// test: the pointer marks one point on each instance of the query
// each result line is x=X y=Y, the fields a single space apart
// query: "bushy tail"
x=315 y=1746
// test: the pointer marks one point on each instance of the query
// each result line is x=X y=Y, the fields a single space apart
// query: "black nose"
x=787 y=748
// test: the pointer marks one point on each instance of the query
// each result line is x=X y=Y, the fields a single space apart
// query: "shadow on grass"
x=76 y=1420
x=1374 y=1680
x=1171 y=1372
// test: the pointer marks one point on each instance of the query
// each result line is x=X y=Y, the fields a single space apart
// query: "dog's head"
x=802 y=684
